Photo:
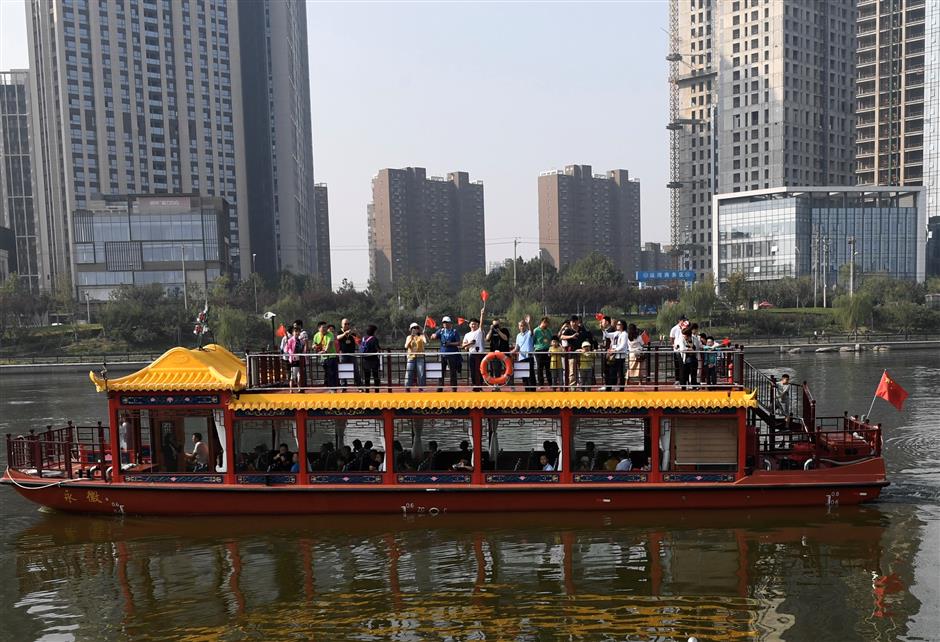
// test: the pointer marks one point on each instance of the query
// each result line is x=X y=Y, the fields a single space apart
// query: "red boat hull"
x=846 y=485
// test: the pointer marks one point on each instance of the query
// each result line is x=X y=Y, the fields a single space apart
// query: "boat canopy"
x=212 y=368
x=630 y=400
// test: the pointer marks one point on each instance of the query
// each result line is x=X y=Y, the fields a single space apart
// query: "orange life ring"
x=507 y=372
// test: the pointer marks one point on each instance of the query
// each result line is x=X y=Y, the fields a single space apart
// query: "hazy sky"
x=501 y=90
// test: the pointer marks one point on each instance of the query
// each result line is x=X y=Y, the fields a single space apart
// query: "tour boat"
x=744 y=441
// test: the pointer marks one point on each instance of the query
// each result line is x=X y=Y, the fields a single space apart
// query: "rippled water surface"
x=867 y=573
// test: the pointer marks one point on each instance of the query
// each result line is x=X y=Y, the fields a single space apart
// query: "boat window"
x=347 y=445
x=433 y=444
x=257 y=442
x=602 y=443
x=518 y=443
x=704 y=443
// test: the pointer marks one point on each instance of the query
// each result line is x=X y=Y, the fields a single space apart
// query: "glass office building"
x=782 y=232
x=139 y=240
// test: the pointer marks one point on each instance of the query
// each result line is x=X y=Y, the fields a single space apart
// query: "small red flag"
x=891 y=391
x=430 y=323
x=484 y=295
x=645 y=337
x=282 y=331
x=599 y=316
x=461 y=320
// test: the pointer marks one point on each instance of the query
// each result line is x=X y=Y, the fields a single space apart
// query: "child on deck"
x=556 y=364
x=586 y=366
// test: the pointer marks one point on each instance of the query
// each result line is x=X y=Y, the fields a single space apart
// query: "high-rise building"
x=322 y=197
x=581 y=212
x=17 y=207
x=897 y=91
x=761 y=96
x=165 y=97
x=425 y=226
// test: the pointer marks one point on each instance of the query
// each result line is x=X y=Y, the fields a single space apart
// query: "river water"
x=864 y=573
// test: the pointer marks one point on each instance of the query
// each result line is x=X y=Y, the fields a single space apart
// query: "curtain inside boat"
x=218 y=418
x=561 y=453
x=665 y=439
x=416 y=448
x=494 y=443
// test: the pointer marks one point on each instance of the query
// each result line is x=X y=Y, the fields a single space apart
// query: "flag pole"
x=884 y=372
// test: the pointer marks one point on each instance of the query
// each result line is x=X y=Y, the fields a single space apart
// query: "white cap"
x=446 y=320
x=413 y=325
x=586 y=344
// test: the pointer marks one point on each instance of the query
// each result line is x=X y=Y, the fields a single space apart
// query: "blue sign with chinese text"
x=666 y=275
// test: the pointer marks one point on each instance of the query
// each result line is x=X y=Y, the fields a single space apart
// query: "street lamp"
x=254 y=281
x=270 y=317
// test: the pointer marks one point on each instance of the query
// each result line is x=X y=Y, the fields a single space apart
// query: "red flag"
x=599 y=316
x=430 y=323
x=282 y=331
x=484 y=295
x=645 y=337
x=461 y=320
x=891 y=391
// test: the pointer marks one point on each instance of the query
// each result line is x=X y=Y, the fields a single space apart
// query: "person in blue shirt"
x=523 y=349
x=450 y=350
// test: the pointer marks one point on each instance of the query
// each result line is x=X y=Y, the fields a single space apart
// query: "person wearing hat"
x=450 y=345
x=415 y=343
x=586 y=365
x=675 y=338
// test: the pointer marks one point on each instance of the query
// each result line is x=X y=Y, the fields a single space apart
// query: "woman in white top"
x=617 y=352
x=635 y=346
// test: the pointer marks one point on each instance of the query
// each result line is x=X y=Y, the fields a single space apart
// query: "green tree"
x=854 y=311
x=699 y=300
x=736 y=290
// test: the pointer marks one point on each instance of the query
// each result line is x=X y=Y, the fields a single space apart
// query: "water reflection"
x=798 y=575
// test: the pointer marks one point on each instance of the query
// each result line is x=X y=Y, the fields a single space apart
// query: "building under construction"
x=761 y=95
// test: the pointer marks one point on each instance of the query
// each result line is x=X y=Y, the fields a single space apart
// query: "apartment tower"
x=17 y=205
x=161 y=97
x=581 y=212
x=322 y=198
x=762 y=96
x=425 y=226
x=897 y=91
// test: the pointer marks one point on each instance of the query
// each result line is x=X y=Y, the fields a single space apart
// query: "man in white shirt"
x=675 y=337
x=200 y=455
x=473 y=343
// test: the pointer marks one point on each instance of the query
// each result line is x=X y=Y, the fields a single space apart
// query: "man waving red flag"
x=891 y=391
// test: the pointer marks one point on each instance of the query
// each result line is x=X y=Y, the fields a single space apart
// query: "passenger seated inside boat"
x=545 y=464
x=431 y=458
x=464 y=452
x=282 y=460
x=199 y=457
x=463 y=464
x=625 y=462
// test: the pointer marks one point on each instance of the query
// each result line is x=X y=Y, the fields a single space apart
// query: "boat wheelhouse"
x=398 y=449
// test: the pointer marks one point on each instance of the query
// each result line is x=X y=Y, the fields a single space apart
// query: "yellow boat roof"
x=704 y=399
x=212 y=368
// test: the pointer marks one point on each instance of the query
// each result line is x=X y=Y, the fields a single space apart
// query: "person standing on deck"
x=324 y=342
x=348 y=340
x=523 y=349
x=542 y=341
x=608 y=367
x=369 y=348
x=674 y=337
x=635 y=348
x=450 y=346
x=414 y=347
x=473 y=344
x=617 y=355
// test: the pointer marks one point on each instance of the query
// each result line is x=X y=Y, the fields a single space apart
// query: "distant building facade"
x=788 y=232
x=933 y=246
x=581 y=212
x=425 y=226
x=7 y=253
x=653 y=258
x=17 y=206
x=897 y=91
x=145 y=239
x=322 y=205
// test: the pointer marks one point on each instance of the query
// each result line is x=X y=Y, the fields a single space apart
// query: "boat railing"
x=70 y=451
x=582 y=371
x=836 y=440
